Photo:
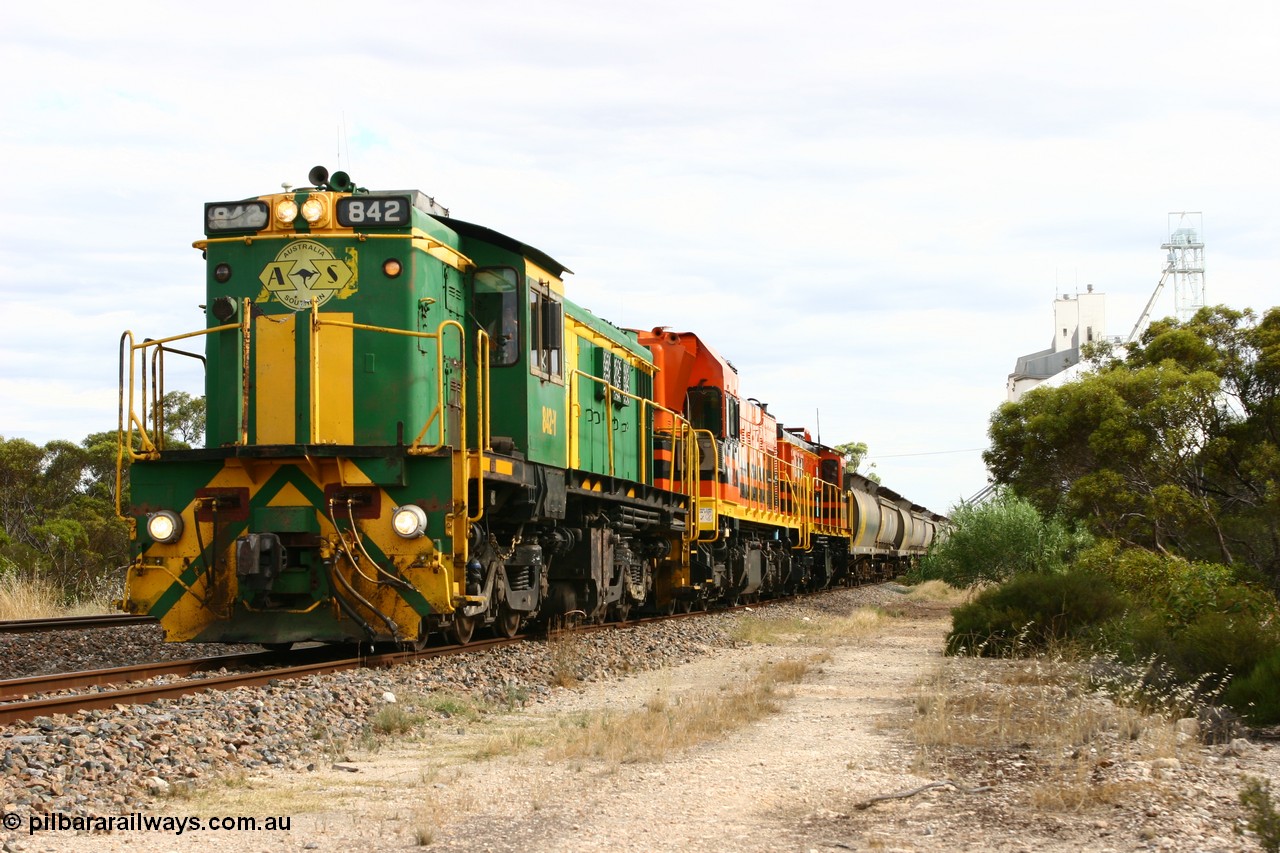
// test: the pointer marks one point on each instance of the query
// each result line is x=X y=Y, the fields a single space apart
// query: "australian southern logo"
x=305 y=273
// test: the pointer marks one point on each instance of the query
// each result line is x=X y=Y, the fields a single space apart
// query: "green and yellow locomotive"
x=411 y=430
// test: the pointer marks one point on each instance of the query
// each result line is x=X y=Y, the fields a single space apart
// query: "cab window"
x=705 y=409
x=496 y=291
x=546 y=331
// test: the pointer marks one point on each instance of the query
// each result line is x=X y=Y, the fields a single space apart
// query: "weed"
x=394 y=719
x=427 y=821
x=28 y=598
x=514 y=696
x=1044 y=721
x=506 y=742
x=938 y=591
x=568 y=656
x=448 y=706
x=36 y=597
x=1263 y=818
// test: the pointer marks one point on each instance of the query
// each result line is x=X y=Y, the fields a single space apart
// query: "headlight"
x=286 y=211
x=164 y=526
x=312 y=210
x=409 y=521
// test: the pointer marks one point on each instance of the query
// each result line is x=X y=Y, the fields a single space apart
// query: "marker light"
x=286 y=211
x=312 y=210
x=391 y=268
x=409 y=521
x=164 y=526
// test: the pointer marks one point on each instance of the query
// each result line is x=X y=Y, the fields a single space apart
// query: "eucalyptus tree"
x=1170 y=445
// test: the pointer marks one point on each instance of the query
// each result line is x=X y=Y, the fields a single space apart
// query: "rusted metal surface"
x=15 y=687
x=73 y=623
x=13 y=712
x=319 y=660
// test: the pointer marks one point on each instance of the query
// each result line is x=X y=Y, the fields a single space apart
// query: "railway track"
x=72 y=623
x=319 y=660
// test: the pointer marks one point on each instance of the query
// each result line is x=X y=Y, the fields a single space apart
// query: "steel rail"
x=69 y=704
x=73 y=623
x=12 y=688
x=25 y=710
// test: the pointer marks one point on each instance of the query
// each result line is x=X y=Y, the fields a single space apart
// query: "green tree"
x=855 y=453
x=1172 y=447
x=57 y=512
x=998 y=540
x=184 y=418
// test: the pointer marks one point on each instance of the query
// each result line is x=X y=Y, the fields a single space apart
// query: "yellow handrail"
x=715 y=484
x=464 y=458
x=416 y=447
x=482 y=418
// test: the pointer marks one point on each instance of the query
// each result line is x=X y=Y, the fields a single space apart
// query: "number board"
x=235 y=216
x=376 y=211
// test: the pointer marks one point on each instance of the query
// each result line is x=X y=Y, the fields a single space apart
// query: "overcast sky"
x=868 y=207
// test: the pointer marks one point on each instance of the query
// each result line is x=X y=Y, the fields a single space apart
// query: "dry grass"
x=28 y=598
x=665 y=725
x=939 y=592
x=1040 y=722
x=38 y=598
x=763 y=628
x=567 y=658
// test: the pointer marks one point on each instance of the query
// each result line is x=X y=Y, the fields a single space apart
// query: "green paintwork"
x=392 y=375
x=620 y=421
x=394 y=389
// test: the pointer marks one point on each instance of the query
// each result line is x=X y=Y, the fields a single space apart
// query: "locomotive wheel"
x=508 y=623
x=461 y=629
x=684 y=605
x=622 y=610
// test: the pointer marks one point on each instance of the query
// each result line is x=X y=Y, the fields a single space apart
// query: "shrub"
x=1178 y=589
x=1263 y=818
x=1257 y=693
x=998 y=540
x=1216 y=647
x=1031 y=611
x=1198 y=622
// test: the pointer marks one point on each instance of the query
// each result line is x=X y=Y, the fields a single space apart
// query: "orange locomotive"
x=775 y=510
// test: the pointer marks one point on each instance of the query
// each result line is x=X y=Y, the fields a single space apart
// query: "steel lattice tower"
x=1185 y=262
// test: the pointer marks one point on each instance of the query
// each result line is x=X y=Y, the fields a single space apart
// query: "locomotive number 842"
x=411 y=429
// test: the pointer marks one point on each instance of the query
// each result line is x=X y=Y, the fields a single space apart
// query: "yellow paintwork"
x=433 y=247
x=275 y=405
x=572 y=440
x=332 y=403
x=416 y=560
x=533 y=271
